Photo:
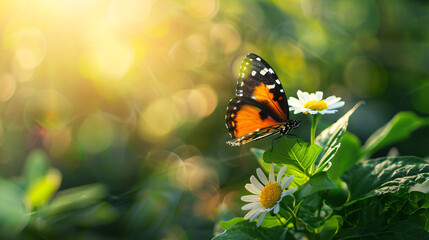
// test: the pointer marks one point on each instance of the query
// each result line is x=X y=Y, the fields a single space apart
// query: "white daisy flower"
x=267 y=194
x=314 y=103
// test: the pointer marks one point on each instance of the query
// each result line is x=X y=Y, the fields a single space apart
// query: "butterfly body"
x=260 y=108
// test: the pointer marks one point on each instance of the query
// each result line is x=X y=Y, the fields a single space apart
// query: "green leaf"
x=265 y=166
x=229 y=223
x=331 y=227
x=330 y=138
x=75 y=198
x=15 y=209
x=372 y=215
x=36 y=166
x=245 y=230
x=43 y=188
x=312 y=212
x=395 y=231
x=385 y=175
x=399 y=128
x=299 y=157
x=318 y=182
x=346 y=157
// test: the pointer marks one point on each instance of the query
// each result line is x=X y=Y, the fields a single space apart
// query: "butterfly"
x=260 y=108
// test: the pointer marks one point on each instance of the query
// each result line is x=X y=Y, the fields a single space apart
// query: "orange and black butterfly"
x=260 y=108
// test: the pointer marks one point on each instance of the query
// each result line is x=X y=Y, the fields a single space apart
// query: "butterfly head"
x=291 y=124
x=294 y=123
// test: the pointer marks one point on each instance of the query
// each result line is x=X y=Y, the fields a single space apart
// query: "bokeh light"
x=117 y=108
x=95 y=134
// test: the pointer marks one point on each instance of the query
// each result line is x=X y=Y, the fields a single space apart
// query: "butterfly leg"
x=272 y=142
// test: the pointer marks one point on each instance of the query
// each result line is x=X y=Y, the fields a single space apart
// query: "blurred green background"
x=112 y=112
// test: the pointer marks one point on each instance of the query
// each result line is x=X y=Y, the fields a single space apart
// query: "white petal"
x=256 y=183
x=251 y=188
x=250 y=198
x=276 y=208
x=293 y=102
x=261 y=219
x=332 y=99
x=255 y=214
x=251 y=212
x=303 y=97
x=329 y=111
x=261 y=176
x=319 y=95
x=272 y=179
x=250 y=205
x=336 y=105
x=289 y=192
x=287 y=181
x=312 y=112
x=280 y=174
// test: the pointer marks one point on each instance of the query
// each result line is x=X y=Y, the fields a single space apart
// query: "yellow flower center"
x=270 y=194
x=316 y=105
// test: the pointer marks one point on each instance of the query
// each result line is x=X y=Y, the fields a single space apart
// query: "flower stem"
x=314 y=123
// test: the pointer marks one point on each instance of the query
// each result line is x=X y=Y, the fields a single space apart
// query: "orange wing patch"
x=248 y=120
x=263 y=94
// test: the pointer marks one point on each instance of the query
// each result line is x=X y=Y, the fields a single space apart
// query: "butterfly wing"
x=260 y=107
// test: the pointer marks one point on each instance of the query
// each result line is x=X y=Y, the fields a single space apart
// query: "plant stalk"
x=314 y=124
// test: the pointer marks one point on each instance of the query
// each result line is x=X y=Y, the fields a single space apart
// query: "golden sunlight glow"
x=110 y=59
x=202 y=8
x=126 y=12
x=7 y=86
x=159 y=118
x=30 y=47
x=226 y=37
x=48 y=108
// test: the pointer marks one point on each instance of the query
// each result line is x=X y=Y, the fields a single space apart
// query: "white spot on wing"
x=271 y=86
x=253 y=73
x=281 y=90
x=258 y=58
x=277 y=81
x=262 y=72
x=271 y=71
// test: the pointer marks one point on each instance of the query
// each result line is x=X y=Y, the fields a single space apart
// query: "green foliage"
x=329 y=139
x=378 y=198
x=318 y=182
x=226 y=224
x=347 y=156
x=394 y=231
x=14 y=209
x=299 y=157
x=385 y=175
x=36 y=166
x=269 y=222
x=376 y=215
x=245 y=230
x=399 y=128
